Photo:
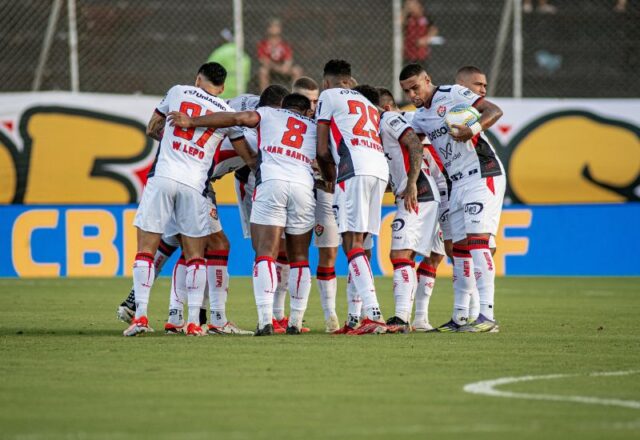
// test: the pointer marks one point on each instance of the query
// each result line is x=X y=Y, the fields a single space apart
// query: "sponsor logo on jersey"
x=447 y=151
x=441 y=110
x=444 y=217
x=473 y=208
x=397 y=224
x=397 y=123
x=438 y=132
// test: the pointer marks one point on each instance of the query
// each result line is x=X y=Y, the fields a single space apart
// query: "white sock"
x=354 y=303
x=265 y=280
x=426 y=281
x=299 y=289
x=474 y=303
x=404 y=283
x=280 y=297
x=196 y=279
x=362 y=279
x=178 y=296
x=218 y=279
x=463 y=284
x=143 y=277
x=328 y=286
x=485 y=273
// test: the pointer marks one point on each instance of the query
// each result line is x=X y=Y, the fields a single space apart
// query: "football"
x=461 y=114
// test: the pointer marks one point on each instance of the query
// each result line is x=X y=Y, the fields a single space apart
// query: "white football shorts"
x=415 y=231
x=357 y=204
x=165 y=200
x=283 y=203
x=475 y=206
x=326 y=228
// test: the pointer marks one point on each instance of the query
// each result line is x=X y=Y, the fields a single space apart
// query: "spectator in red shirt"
x=418 y=32
x=276 y=58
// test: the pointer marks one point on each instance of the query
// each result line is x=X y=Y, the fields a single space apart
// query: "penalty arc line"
x=488 y=388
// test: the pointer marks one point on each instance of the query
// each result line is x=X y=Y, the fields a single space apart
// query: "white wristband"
x=476 y=128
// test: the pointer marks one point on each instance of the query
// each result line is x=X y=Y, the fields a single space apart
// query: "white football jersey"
x=286 y=146
x=186 y=154
x=474 y=158
x=354 y=132
x=244 y=102
x=392 y=127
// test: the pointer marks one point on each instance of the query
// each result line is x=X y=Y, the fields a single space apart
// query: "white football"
x=461 y=114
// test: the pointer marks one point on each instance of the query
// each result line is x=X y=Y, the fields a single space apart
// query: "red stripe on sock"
x=401 y=262
x=299 y=264
x=196 y=262
x=264 y=258
x=355 y=252
x=144 y=256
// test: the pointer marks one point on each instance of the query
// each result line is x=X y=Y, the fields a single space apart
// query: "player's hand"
x=180 y=119
x=461 y=133
x=410 y=196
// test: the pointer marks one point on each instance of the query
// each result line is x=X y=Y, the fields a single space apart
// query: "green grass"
x=66 y=372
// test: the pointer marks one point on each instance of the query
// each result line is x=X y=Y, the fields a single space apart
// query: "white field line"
x=488 y=388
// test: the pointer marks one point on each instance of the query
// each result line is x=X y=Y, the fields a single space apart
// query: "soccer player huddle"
x=307 y=162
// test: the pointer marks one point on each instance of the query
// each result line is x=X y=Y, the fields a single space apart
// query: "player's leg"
x=426 y=275
x=361 y=215
x=327 y=241
x=481 y=221
x=217 y=256
x=413 y=233
x=280 y=297
x=166 y=248
x=266 y=242
x=300 y=220
x=152 y=216
x=463 y=276
x=268 y=219
x=299 y=279
x=177 y=298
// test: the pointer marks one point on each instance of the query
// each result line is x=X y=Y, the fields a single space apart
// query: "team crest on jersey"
x=214 y=213
x=319 y=230
x=442 y=110
x=397 y=224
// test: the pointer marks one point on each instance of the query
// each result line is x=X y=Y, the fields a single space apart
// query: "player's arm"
x=215 y=120
x=245 y=152
x=325 y=159
x=490 y=113
x=155 y=127
x=413 y=144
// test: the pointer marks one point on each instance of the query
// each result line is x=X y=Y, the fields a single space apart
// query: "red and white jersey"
x=186 y=154
x=354 y=132
x=461 y=160
x=392 y=127
x=286 y=146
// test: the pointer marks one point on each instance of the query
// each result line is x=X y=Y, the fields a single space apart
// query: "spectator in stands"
x=419 y=30
x=276 y=58
x=543 y=7
x=226 y=55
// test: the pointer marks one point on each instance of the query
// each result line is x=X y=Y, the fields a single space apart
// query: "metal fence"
x=584 y=49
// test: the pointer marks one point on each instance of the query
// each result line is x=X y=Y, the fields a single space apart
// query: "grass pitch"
x=67 y=373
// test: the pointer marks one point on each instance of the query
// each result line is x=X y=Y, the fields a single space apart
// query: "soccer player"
x=414 y=228
x=351 y=123
x=326 y=237
x=283 y=199
x=478 y=185
x=176 y=189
